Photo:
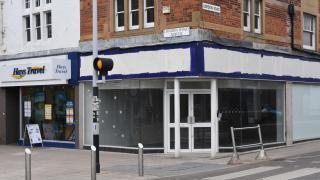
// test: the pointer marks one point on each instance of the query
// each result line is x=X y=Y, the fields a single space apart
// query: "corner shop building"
x=217 y=87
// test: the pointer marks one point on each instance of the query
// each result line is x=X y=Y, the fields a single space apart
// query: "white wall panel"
x=172 y=60
x=227 y=61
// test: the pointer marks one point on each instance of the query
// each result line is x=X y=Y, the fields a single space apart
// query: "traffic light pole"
x=95 y=98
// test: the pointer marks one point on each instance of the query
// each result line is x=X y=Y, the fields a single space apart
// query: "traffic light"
x=103 y=65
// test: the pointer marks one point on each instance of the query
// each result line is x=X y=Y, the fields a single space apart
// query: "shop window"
x=48 y=24
x=27 y=28
x=134 y=14
x=309 y=31
x=37 y=26
x=148 y=13
x=253 y=13
x=129 y=116
x=52 y=108
x=249 y=103
x=119 y=13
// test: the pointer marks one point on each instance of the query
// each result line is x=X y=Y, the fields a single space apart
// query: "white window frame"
x=37 y=27
x=26 y=29
x=313 y=31
x=246 y=28
x=257 y=30
x=48 y=25
x=146 y=24
x=37 y=3
x=118 y=28
x=132 y=27
x=48 y=1
x=27 y=4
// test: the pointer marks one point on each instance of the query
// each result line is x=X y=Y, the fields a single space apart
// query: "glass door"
x=185 y=126
x=195 y=122
x=201 y=125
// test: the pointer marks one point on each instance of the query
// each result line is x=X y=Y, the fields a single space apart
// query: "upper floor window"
x=253 y=13
x=257 y=16
x=27 y=4
x=134 y=14
x=246 y=15
x=148 y=13
x=131 y=11
x=37 y=26
x=48 y=24
x=309 y=31
x=37 y=3
x=119 y=13
x=27 y=28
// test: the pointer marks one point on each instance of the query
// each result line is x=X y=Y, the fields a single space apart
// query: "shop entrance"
x=9 y=118
x=195 y=121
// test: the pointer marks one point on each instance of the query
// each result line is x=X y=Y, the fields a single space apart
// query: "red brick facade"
x=227 y=24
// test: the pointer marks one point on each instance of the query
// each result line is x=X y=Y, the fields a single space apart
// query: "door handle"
x=191 y=119
x=219 y=115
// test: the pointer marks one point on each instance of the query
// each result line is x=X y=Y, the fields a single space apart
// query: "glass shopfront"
x=127 y=116
x=241 y=103
x=248 y=103
x=52 y=108
x=132 y=116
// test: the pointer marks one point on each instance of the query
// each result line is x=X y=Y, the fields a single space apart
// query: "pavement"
x=74 y=164
x=298 y=167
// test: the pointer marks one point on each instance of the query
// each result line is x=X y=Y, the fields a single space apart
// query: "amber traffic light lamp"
x=103 y=65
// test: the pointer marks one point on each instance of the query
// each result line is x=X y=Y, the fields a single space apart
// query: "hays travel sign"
x=36 y=71
x=20 y=73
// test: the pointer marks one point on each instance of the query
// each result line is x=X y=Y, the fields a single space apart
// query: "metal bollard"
x=235 y=156
x=28 y=163
x=93 y=163
x=262 y=155
x=140 y=160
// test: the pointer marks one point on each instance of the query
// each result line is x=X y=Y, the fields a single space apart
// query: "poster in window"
x=48 y=111
x=69 y=112
x=27 y=109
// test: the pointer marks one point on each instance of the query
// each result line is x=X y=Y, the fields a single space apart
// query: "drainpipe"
x=291 y=14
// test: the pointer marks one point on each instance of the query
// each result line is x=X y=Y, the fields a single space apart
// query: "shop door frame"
x=190 y=126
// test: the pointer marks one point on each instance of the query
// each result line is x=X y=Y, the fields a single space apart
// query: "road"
x=302 y=167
